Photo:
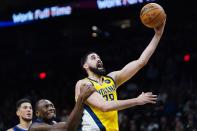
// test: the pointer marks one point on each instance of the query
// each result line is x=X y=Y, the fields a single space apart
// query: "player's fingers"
x=152 y=95
x=91 y=90
x=148 y=93
x=151 y=101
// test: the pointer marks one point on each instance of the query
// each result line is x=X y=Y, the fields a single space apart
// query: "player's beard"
x=98 y=71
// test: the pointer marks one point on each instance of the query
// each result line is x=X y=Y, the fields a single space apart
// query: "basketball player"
x=100 y=112
x=46 y=113
x=24 y=112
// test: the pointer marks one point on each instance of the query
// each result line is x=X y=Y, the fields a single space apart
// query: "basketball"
x=152 y=15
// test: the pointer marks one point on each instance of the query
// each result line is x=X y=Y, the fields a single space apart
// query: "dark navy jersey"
x=40 y=121
x=16 y=128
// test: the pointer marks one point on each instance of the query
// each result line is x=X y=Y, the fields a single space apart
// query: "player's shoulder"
x=82 y=81
x=113 y=75
x=11 y=129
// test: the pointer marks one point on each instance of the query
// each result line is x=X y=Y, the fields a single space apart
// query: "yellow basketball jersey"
x=96 y=120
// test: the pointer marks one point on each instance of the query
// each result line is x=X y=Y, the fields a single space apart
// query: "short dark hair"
x=84 y=58
x=21 y=101
x=38 y=103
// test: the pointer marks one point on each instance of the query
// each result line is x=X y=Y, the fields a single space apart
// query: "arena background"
x=41 y=59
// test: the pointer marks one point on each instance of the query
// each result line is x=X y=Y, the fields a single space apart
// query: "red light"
x=42 y=75
x=186 y=58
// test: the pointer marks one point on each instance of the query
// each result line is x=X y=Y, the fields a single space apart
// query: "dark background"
x=56 y=45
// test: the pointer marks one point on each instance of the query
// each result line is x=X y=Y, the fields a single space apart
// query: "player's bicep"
x=126 y=72
x=96 y=100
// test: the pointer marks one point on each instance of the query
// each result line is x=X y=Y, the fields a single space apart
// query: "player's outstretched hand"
x=145 y=98
x=159 y=30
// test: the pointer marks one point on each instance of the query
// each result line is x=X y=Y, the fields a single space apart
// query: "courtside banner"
x=25 y=16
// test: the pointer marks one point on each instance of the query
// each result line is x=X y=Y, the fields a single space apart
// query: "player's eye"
x=46 y=106
x=93 y=57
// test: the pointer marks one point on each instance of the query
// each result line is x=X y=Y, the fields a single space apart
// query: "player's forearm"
x=133 y=67
x=150 y=49
x=119 y=104
x=75 y=115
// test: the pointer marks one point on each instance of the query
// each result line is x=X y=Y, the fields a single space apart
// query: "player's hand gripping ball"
x=152 y=15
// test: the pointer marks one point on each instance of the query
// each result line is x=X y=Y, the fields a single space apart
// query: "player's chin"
x=51 y=116
x=28 y=118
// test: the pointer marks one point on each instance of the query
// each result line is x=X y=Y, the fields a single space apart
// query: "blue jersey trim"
x=16 y=128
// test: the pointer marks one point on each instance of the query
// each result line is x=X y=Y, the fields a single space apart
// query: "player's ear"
x=85 y=66
x=37 y=114
x=18 y=112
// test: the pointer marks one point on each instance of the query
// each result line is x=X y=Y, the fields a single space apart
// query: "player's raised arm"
x=133 y=67
x=45 y=112
x=76 y=114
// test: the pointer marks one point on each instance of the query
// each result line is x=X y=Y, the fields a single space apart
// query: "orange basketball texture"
x=152 y=15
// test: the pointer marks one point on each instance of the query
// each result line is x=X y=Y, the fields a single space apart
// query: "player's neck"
x=24 y=124
x=95 y=77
